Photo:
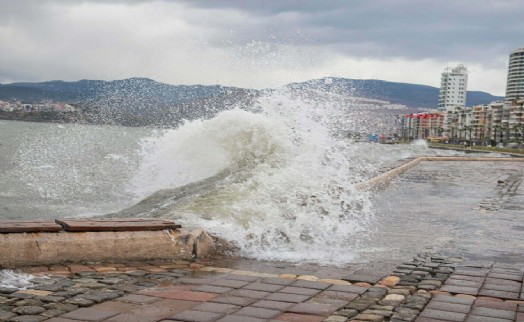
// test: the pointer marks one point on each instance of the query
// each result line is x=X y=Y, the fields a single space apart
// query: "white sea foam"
x=291 y=196
x=12 y=279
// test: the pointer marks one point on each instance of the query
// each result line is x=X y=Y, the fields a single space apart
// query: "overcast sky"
x=259 y=43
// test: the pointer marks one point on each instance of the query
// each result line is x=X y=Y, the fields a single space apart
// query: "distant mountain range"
x=142 y=101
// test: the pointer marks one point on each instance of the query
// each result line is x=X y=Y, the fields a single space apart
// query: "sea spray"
x=289 y=193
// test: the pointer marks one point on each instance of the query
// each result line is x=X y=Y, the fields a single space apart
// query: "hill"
x=410 y=95
x=143 y=101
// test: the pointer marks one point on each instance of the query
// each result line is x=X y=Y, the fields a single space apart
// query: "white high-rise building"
x=453 y=87
x=515 y=83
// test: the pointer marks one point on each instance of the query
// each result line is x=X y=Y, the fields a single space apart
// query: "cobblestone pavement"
x=427 y=288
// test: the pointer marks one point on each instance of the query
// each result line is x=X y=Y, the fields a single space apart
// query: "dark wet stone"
x=52 y=313
x=81 y=302
x=127 y=288
x=6 y=315
x=85 y=274
x=52 y=299
x=427 y=287
x=137 y=273
x=7 y=290
x=68 y=293
x=348 y=313
x=111 y=281
x=99 y=297
x=146 y=284
x=21 y=296
x=28 y=310
x=28 y=318
x=28 y=302
x=61 y=306
x=43 y=281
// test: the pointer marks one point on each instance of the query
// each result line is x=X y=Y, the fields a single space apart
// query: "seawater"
x=278 y=182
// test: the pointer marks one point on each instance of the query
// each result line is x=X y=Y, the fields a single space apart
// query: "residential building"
x=453 y=87
x=515 y=81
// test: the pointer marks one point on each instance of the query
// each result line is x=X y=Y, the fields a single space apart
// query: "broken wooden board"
x=28 y=226
x=120 y=224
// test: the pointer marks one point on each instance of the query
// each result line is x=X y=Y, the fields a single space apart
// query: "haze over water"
x=277 y=182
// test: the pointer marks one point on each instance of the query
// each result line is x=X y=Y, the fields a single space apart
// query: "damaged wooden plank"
x=119 y=224
x=28 y=226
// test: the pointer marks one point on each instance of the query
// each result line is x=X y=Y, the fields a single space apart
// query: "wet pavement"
x=429 y=287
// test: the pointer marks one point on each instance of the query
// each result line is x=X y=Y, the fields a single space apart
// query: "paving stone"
x=197 y=316
x=499 y=294
x=139 y=299
x=229 y=283
x=185 y=295
x=6 y=315
x=499 y=281
x=516 y=278
x=479 y=279
x=217 y=307
x=263 y=287
x=258 y=312
x=278 y=281
x=479 y=318
x=311 y=284
x=385 y=313
x=52 y=313
x=126 y=317
x=239 y=318
x=443 y=315
x=331 y=302
x=28 y=310
x=246 y=278
x=174 y=305
x=370 y=317
x=154 y=310
x=337 y=295
x=496 y=305
x=295 y=317
x=81 y=302
x=299 y=290
x=470 y=271
x=453 y=299
x=285 y=297
x=460 y=289
x=249 y=293
x=457 y=282
x=313 y=308
x=443 y=306
x=348 y=313
x=89 y=314
x=336 y=318
x=274 y=305
x=348 y=289
x=212 y=289
x=494 y=313
x=28 y=318
x=367 y=278
x=235 y=300
x=505 y=288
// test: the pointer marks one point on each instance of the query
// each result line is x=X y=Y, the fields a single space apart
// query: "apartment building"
x=453 y=87
x=515 y=81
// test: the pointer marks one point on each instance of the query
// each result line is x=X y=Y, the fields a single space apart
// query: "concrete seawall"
x=43 y=248
x=386 y=176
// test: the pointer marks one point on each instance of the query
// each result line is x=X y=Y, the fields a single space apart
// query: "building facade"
x=515 y=81
x=453 y=87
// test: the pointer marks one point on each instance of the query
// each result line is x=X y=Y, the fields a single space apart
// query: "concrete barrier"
x=386 y=176
x=24 y=249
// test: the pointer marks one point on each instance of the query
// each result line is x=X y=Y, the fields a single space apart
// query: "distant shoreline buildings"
x=488 y=124
x=17 y=106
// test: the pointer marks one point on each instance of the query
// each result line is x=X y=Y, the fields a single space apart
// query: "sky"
x=259 y=43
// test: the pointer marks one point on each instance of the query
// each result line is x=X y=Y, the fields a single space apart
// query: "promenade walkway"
x=427 y=288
